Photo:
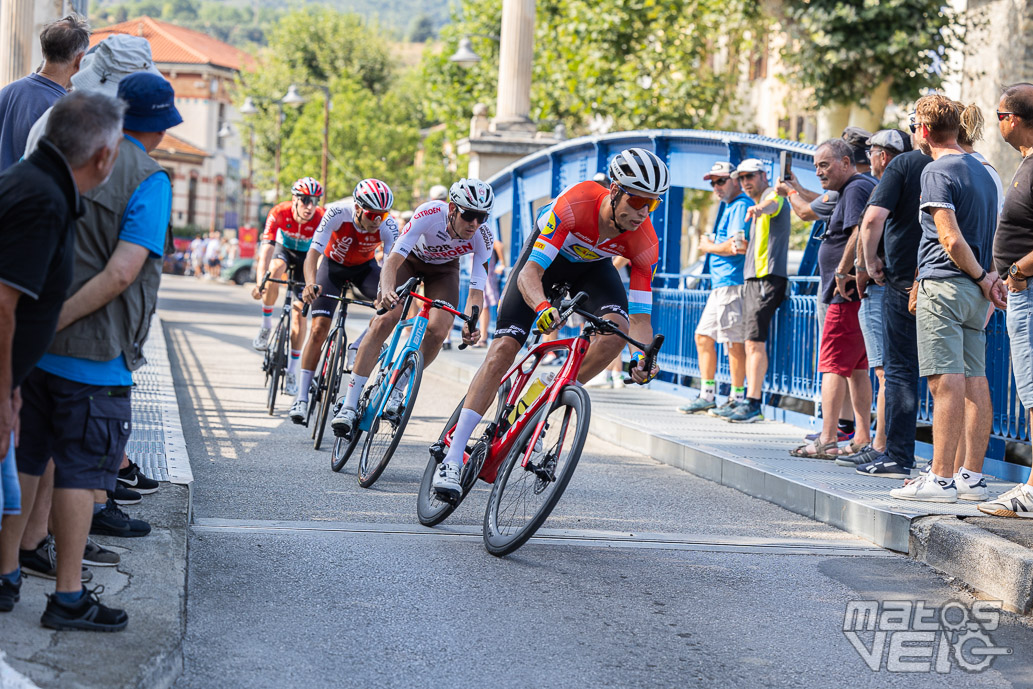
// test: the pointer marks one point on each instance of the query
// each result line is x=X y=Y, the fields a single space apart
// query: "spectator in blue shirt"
x=722 y=319
x=77 y=407
x=64 y=43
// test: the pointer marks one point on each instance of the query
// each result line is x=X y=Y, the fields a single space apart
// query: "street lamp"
x=464 y=56
x=295 y=99
x=249 y=108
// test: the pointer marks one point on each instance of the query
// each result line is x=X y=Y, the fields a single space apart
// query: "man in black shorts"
x=766 y=278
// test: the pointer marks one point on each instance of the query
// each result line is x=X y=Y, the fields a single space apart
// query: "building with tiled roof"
x=207 y=190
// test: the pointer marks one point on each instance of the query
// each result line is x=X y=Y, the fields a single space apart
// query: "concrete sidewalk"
x=150 y=581
x=754 y=459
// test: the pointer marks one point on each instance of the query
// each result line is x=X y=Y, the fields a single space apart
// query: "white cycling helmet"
x=438 y=192
x=472 y=194
x=374 y=195
x=637 y=169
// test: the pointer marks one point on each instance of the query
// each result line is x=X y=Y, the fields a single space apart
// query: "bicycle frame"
x=392 y=357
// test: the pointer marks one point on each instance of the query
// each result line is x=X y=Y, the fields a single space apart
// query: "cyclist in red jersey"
x=289 y=228
x=574 y=243
x=342 y=253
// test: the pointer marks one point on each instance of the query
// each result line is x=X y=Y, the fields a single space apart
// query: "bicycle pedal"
x=437 y=451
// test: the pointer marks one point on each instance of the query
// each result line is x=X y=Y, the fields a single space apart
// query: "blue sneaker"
x=865 y=455
x=746 y=412
x=697 y=406
x=884 y=468
x=725 y=410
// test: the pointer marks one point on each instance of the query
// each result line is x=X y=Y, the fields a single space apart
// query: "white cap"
x=749 y=165
x=720 y=169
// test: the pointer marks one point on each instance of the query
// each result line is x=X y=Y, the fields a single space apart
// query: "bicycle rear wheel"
x=330 y=381
x=386 y=432
x=278 y=363
x=523 y=497
x=318 y=385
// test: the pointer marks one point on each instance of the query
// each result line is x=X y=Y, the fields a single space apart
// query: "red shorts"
x=842 y=344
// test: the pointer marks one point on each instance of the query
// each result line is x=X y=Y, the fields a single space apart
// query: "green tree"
x=422 y=29
x=643 y=63
x=843 y=49
x=375 y=117
x=179 y=10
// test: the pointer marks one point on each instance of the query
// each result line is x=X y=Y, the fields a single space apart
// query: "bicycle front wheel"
x=330 y=381
x=523 y=497
x=278 y=364
x=387 y=429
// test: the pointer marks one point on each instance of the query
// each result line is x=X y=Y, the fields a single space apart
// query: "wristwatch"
x=1015 y=274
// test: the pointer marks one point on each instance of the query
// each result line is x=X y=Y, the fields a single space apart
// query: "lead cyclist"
x=574 y=243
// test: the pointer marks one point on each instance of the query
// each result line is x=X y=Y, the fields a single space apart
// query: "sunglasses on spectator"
x=747 y=175
x=718 y=181
x=307 y=200
x=373 y=216
x=911 y=123
x=473 y=216
x=1001 y=114
x=640 y=202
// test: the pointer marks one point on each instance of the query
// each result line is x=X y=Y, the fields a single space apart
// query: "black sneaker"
x=884 y=468
x=42 y=561
x=132 y=477
x=98 y=556
x=123 y=496
x=9 y=594
x=86 y=615
x=112 y=521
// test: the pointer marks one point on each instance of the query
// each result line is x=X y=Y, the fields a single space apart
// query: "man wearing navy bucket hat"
x=85 y=378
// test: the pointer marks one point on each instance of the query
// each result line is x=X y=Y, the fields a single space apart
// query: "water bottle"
x=534 y=391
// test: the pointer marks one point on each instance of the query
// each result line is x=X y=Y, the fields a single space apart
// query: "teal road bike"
x=386 y=403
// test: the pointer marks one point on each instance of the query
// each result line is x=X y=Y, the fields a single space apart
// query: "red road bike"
x=530 y=447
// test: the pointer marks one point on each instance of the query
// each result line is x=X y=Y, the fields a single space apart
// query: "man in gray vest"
x=84 y=380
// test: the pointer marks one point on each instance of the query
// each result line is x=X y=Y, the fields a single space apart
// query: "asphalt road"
x=645 y=575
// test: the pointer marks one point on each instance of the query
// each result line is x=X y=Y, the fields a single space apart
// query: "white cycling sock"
x=292 y=367
x=468 y=420
x=354 y=390
x=306 y=380
x=267 y=316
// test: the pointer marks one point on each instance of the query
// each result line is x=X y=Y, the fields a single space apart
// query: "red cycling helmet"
x=307 y=186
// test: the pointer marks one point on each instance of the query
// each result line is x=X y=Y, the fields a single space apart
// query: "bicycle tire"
x=503 y=538
x=372 y=466
x=316 y=387
x=278 y=365
x=344 y=447
x=431 y=510
x=328 y=394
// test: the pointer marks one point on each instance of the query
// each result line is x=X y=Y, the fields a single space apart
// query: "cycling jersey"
x=427 y=238
x=282 y=228
x=339 y=240
x=570 y=226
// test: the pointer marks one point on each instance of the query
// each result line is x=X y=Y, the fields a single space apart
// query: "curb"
x=995 y=566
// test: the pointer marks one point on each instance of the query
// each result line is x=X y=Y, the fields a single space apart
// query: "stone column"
x=16 y=39
x=516 y=55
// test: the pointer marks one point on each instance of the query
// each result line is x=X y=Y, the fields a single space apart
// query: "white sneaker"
x=600 y=381
x=299 y=411
x=290 y=383
x=261 y=341
x=447 y=480
x=927 y=489
x=977 y=492
x=343 y=421
x=1014 y=503
x=617 y=381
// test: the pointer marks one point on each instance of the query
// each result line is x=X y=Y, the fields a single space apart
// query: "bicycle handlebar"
x=291 y=284
x=470 y=320
x=407 y=287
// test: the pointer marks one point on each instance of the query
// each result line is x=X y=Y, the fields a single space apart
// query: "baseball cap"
x=858 y=139
x=720 y=169
x=892 y=139
x=152 y=103
x=749 y=165
x=111 y=60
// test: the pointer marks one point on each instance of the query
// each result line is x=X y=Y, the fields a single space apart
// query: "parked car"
x=243 y=270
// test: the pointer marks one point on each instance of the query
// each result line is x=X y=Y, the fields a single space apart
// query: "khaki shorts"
x=951 y=320
x=722 y=316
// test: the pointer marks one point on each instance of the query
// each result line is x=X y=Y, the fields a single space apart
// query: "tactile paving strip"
x=156 y=443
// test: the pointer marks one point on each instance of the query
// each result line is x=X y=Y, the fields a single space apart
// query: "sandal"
x=814 y=450
x=850 y=449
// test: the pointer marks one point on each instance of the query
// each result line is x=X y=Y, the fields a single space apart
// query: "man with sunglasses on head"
x=575 y=239
x=342 y=252
x=722 y=319
x=289 y=229
x=429 y=247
